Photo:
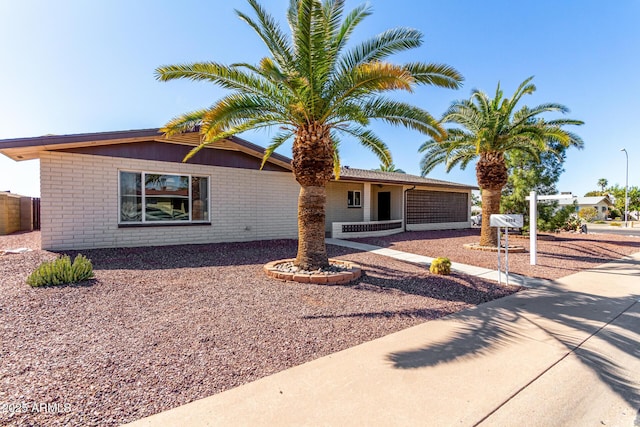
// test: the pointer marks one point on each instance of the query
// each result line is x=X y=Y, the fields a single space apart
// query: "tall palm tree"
x=488 y=130
x=314 y=88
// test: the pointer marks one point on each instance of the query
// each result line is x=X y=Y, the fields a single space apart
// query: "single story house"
x=130 y=188
x=602 y=204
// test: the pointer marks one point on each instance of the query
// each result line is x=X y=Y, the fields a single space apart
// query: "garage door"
x=432 y=207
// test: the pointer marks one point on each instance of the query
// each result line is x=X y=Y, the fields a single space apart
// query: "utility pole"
x=626 y=189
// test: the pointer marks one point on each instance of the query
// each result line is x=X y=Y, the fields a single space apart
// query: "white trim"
x=354 y=199
x=439 y=226
x=337 y=233
x=143 y=197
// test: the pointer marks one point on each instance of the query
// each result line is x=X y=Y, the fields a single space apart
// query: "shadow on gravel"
x=189 y=256
x=421 y=314
x=568 y=317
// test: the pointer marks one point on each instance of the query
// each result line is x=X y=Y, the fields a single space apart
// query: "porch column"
x=366 y=202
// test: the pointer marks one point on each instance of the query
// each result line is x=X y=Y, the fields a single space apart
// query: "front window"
x=353 y=199
x=156 y=198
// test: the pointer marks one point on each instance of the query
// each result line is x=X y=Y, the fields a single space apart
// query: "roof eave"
x=20 y=149
x=407 y=182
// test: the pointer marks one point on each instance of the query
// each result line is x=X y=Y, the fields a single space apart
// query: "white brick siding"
x=336 y=209
x=80 y=204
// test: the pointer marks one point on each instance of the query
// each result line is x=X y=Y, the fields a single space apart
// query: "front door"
x=384 y=206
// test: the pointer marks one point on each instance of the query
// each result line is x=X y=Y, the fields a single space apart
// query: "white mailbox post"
x=506 y=222
x=533 y=220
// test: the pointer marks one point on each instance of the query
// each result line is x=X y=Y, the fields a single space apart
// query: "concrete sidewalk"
x=425 y=261
x=565 y=353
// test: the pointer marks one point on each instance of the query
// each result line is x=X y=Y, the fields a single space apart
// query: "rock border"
x=477 y=247
x=352 y=272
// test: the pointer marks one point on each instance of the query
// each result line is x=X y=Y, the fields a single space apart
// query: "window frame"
x=143 y=222
x=354 y=199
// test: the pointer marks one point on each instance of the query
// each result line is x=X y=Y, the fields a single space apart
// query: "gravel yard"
x=558 y=254
x=161 y=327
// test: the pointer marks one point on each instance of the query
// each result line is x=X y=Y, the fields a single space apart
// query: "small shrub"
x=573 y=224
x=599 y=222
x=588 y=214
x=441 y=266
x=615 y=224
x=61 y=271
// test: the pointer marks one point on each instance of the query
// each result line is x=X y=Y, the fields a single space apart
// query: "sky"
x=77 y=66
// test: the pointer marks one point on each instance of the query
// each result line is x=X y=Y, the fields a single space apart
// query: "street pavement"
x=618 y=231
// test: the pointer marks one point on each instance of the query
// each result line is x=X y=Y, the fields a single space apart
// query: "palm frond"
x=336 y=155
x=435 y=74
x=187 y=122
x=380 y=47
x=276 y=142
x=369 y=140
x=271 y=34
x=400 y=113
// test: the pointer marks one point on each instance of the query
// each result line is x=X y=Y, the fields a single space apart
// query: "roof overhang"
x=31 y=148
x=405 y=182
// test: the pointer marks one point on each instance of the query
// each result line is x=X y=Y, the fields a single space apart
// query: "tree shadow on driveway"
x=568 y=317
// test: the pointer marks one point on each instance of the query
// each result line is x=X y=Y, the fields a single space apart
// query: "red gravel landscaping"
x=162 y=326
x=558 y=254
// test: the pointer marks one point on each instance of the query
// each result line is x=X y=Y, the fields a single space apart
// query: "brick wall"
x=10 y=213
x=80 y=204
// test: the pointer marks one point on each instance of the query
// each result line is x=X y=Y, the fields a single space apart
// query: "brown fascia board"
x=258 y=148
x=79 y=137
x=154 y=133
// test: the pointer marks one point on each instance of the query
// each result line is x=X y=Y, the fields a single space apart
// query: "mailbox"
x=513 y=221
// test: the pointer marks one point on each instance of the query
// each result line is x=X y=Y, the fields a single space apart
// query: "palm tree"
x=488 y=130
x=314 y=89
x=389 y=168
x=602 y=183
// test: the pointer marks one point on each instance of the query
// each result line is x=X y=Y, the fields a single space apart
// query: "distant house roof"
x=364 y=175
x=586 y=201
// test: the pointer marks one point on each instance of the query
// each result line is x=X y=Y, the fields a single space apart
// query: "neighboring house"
x=602 y=204
x=130 y=188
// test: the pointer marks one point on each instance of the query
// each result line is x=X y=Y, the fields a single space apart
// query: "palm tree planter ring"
x=344 y=272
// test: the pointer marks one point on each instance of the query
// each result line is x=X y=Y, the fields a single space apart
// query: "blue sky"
x=75 y=66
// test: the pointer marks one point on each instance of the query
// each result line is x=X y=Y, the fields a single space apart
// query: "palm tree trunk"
x=313 y=168
x=491 y=171
x=312 y=251
x=490 y=205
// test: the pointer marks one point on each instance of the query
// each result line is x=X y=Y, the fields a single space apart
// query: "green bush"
x=441 y=266
x=558 y=221
x=614 y=213
x=599 y=222
x=60 y=271
x=615 y=224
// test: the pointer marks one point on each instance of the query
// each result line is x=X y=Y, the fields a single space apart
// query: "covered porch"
x=372 y=203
